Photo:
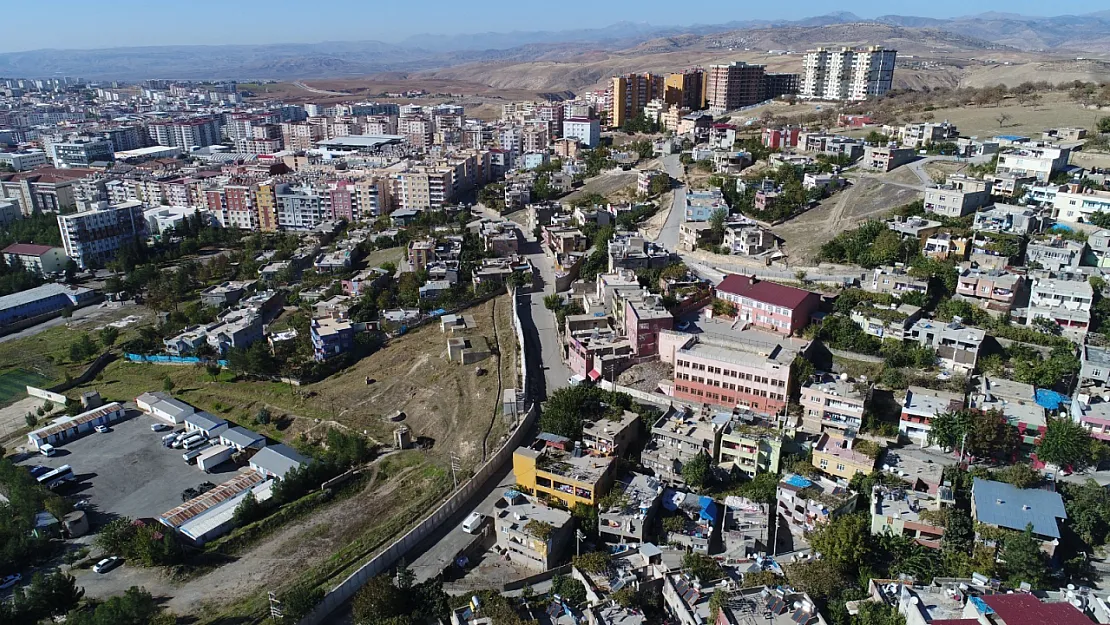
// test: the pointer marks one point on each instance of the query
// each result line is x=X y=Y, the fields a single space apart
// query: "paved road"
x=668 y=236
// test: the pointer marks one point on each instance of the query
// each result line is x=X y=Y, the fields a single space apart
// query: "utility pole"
x=579 y=537
x=455 y=469
x=276 y=608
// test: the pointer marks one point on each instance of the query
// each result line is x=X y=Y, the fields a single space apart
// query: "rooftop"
x=763 y=291
x=1004 y=505
x=1023 y=609
x=277 y=459
x=27 y=249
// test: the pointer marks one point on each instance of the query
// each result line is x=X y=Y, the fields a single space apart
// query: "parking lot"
x=127 y=471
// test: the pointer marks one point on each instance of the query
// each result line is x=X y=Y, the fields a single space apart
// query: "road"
x=668 y=236
x=319 y=91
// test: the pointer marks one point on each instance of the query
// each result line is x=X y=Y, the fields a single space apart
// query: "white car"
x=101 y=429
x=473 y=522
x=10 y=581
x=159 y=427
x=107 y=564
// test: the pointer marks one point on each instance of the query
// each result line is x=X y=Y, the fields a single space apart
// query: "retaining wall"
x=90 y=373
x=461 y=498
x=57 y=398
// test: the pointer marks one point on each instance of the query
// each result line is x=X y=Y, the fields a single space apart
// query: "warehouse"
x=207 y=516
x=43 y=300
x=276 y=460
x=67 y=428
x=240 y=438
x=205 y=423
x=164 y=406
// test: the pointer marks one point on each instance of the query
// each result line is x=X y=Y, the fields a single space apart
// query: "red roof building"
x=1023 y=609
x=768 y=305
x=41 y=259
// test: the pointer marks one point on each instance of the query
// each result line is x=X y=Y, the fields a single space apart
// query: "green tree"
x=263 y=416
x=763 y=488
x=1088 y=508
x=1103 y=124
x=299 y=600
x=552 y=302
x=249 y=510
x=820 y=579
x=697 y=472
x=135 y=607
x=1020 y=475
x=108 y=336
x=717 y=223
x=846 y=541
x=703 y=567
x=168 y=384
x=877 y=613
x=53 y=595
x=571 y=590
x=1065 y=443
x=1025 y=562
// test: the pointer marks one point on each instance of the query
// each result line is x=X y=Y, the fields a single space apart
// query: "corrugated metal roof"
x=80 y=419
x=45 y=291
x=241 y=436
x=205 y=420
x=197 y=505
x=277 y=459
x=1005 y=505
x=27 y=249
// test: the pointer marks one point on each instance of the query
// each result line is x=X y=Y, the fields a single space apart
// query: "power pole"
x=455 y=469
x=276 y=608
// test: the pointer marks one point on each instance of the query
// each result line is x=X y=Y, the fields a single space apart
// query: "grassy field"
x=14 y=382
x=388 y=255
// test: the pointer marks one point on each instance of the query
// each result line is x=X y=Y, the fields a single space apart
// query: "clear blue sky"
x=70 y=24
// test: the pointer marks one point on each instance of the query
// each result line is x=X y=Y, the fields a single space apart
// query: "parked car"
x=107 y=564
x=101 y=429
x=47 y=450
x=473 y=522
x=159 y=427
x=10 y=581
x=81 y=505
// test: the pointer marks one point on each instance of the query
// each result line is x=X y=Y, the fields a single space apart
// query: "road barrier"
x=459 y=500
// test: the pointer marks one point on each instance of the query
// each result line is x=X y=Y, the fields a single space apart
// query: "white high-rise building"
x=847 y=74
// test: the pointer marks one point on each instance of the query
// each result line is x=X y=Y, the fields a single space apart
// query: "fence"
x=165 y=359
x=57 y=398
x=382 y=562
x=95 y=368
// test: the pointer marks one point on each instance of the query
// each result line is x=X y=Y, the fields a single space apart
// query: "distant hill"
x=1065 y=34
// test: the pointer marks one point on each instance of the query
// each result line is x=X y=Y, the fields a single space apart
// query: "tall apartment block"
x=186 y=133
x=631 y=93
x=92 y=237
x=847 y=74
x=686 y=90
x=735 y=85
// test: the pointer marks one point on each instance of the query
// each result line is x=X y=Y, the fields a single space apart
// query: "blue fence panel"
x=168 y=359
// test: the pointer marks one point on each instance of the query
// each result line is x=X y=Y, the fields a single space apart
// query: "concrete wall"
x=57 y=398
x=461 y=499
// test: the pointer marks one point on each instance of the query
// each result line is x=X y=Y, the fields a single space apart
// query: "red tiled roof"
x=1022 y=609
x=763 y=291
x=955 y=621
x=27 y=249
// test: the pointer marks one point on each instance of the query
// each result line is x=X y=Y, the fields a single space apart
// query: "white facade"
x=92 y=237
x=847 y=74
x=585 y=131
x=24 y=161
x=1078 y=207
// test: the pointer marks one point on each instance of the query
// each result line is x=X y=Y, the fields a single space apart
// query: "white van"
x=473 y=522
x=575 y=380
x=47 y=450
x=194 y=441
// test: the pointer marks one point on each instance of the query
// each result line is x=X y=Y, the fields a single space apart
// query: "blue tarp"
x=1051 y=400
x=798 y=481
x=708 y=508
x=163 y=358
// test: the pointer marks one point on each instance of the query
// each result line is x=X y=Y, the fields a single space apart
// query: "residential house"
x=883 y=322
x=959 y=195
x=807 y=503
x=885 y=158
x=1095 y=367
x=1016 y=402
x=902 y=512
x=990 y=289
x=1002 y=505
x=568 y=476
x=1010 y=184
x=843 y=456
x=611 y=437
x=331 y=337
x=957 y=347
x=944 y=245
x=1007 y=219
x=1054 y=253
x=894 y=281
x=677 y=438
x=1042 y=161
x=1077 y=205
x=753 y=444
x=914 y=227
x=700 y=205
x=532 y=534
x=920 y=406
x=628 y=514
x=1066 y=302
x=748 y=239
x=833 y=402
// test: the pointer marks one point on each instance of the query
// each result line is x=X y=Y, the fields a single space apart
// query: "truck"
x=213 y=456
x=191 y=456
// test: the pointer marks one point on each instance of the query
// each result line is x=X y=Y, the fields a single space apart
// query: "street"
x=668 y=236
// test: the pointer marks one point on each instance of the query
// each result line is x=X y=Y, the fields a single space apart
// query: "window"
x=839 y=467
x=824 y=464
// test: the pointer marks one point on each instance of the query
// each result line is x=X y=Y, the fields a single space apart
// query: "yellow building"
x=686 y=90
x=631 y=93
x=843 y=457
x=266 y=206
x=562 y=476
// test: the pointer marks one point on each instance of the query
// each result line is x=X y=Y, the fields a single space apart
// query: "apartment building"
x=686 y=90
x=922 y=134
x=893 y=280
x=331 y=337
x=186 y=134
x=631 y=517
x=643 y=319
x=748 y=239
x=298 y=208
x=808 y=503
x=39 y=259
x=768 y=305
x=531 y=534
x=42 y=190
x=885 y=158
x=611 y=437
x=1007 y=219
x=959 y=195
x=1039 y=160
x=630 y=94
x=920 y=406
x=780 y=138
x=842 y=456
x=735 y=85
x=1077 y=206
x=582 y=129
x=264 y=198
x=424 y=188
x=81 y=153
x=548 y=469
x=92 y=237
x=831 y=402
x=847 y=74
x=25 y=160
x=883 y=322
x=898 y=512
x=753 y=444
x=957 y=347
x=1066 y=302
x=992 y=289
x=1054 y=253
x=677 y=438
x=753 y=374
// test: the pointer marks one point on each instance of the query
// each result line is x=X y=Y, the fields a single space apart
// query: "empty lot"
x=127 y=472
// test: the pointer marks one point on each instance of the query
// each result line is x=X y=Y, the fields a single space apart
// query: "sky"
x=77 y=24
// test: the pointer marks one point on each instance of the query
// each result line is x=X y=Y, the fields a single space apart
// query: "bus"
x=57 y=477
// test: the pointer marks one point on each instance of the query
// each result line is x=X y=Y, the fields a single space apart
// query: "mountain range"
x=1064 y=34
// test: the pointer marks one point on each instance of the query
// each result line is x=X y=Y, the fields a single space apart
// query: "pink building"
x=643 y=319
x=780 y=138
x=767 y=305
x=733 y=377
x=342 y=202
x=996 y=290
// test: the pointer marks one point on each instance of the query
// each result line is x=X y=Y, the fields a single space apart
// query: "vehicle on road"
x=47 y=450
x=473 y=522
x=107 y=564
x=10 y=580
x=101 y=429
x=81 y=505
x=38 y=470
x=575 y=380
x=159 y=427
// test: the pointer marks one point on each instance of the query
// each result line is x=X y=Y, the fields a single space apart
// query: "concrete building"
x=920 y=406
x=899 y=512
x=677 y=438
x=957 y=347
x=686 y=90
x=92 y=237
x=753 y=444
x=564 y=475
x=532 y=534
x=923 y=134
x=1039 y=160
x=1007 y=219
x=331 y=337
x=630 y=94
x=81 y=153
x=612 y=437
x=998 y=504
x=893 y=280
x=885 y=158
x=767 y=305
x=1054 y=253
x=1066 y=302
x=24 y=160
x=959 y=195
x=805 y=504
x=40 y=259
x=991 y=289
x=628 y=513
x=847 y=74
x=47 y=299
x=914 y=227
x=735 y=85
x=882 y=322
x=582 y=129
x=1095 y=366
x=833 y=402
x=843 y=456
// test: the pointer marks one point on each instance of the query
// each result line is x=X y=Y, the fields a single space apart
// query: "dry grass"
x=613 y=184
